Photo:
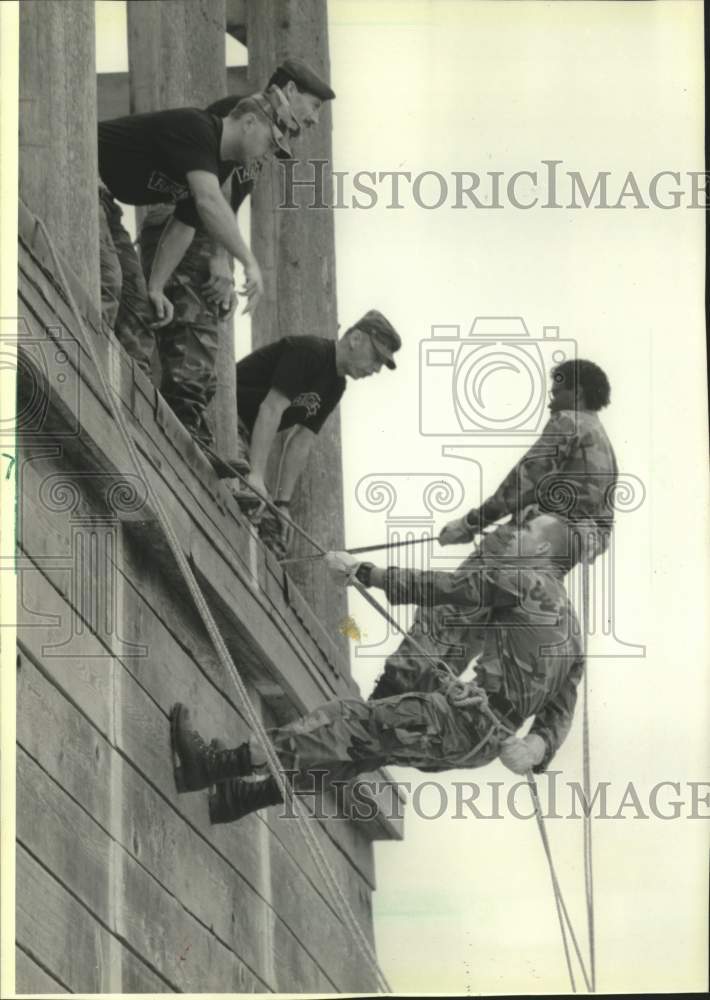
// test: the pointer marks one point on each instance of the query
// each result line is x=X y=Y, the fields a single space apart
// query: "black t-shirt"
x=144 y=159
x=243 y=178
x=303 y=369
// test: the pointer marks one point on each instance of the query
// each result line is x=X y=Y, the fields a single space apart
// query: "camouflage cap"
x=305 y=78
x=272 y=107
x=383 y=335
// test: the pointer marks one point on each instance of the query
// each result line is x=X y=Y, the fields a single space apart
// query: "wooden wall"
x=122 y=885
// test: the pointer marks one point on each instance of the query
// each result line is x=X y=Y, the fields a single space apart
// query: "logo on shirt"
x=166 y=185
x=243 y=174
x=310 y=401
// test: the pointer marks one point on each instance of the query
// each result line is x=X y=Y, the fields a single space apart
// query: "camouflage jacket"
x=570 y=471
x=532 y=655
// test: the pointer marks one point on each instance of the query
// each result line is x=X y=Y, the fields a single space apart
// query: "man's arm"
x=519 y=487
x=472 y=589
x=553 y=723
x=174 y=241
x=219 y=220
x=293 y=460
x=265 y=429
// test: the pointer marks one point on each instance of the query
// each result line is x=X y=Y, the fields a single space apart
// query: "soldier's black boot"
x=197 y=765
x=234 y=799
x=229 y=801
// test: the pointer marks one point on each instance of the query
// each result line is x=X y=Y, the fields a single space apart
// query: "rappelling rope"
x=586 y=773
x=322 y=863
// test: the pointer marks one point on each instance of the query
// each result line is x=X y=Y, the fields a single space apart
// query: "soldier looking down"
x=202 y=287
x=295 y=384
x=180 y=157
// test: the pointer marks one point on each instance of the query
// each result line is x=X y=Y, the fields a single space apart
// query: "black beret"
x=305 y=79
x=384 y=337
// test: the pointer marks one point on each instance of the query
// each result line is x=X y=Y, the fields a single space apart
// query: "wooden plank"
x=160 y=929
x=31 y=980
x=77 y=850
x=63 y=742
x=55 y=930
x=85 y=672
x=63 y=837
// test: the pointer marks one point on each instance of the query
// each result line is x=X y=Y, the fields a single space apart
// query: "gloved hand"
x=520 y=756
x=342 y=566
x=457 y=532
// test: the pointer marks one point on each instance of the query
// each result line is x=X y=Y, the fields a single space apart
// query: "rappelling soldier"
x=531 y=666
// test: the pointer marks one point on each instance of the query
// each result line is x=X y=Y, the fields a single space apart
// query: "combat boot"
x=198 y=765
x=234 y=799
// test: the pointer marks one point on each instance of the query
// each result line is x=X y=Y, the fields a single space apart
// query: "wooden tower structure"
x=122 y=885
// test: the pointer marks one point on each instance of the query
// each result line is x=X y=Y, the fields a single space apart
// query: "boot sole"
x=175 y=713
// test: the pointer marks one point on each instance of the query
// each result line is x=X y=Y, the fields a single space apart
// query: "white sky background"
x=466 y=906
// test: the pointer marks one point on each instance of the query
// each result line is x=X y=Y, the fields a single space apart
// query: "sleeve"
x=547 y=454
x=316 y=422
x=554 y=721
x=189 y=142
x=186 y=212
x=472 y=589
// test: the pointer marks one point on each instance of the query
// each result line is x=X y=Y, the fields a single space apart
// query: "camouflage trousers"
x=188 y=345
x=125 y=306
x=420 y=729
x=453 y=635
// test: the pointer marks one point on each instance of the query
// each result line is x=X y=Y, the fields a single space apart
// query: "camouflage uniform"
x=188 y=345
x=571 y=472
x=531 y=665
x=125 y=306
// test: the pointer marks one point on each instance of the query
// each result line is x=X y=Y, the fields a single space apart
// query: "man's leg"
x=346 y=736
x=132 y=326
x=111 y=277
x=188 y=345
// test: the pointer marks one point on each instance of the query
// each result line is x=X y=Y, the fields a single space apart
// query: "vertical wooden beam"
x=58 y=158
x=296 y=249
x=176 y=56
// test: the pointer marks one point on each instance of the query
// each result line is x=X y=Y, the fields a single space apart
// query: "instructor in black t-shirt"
x=202 y=286
x=181 y=156
x=296 y=383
